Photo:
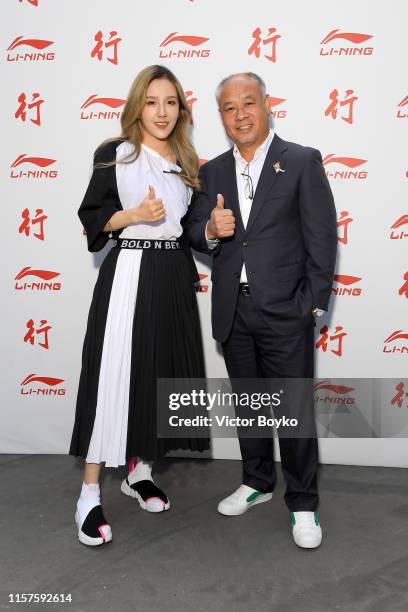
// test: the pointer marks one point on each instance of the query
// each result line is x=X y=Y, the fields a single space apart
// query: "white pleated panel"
x=108 y=441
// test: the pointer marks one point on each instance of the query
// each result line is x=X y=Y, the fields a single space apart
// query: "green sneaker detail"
x=254 y=495
x=316 y=519
x=292 y=518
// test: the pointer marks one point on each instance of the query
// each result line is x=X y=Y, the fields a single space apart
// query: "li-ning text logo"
x=402 y=114
x=41 y=385
x=185 y=51
x=32 y=56
x=397 y=233
x=335 y=340
x=109 y=102
x=336 y=36
x=396 y=342
x=45 y=284
x=346 y=162
x=40 y=162
x=348 y=283
x=280 y=113
x=326 y=393
x=200 y=288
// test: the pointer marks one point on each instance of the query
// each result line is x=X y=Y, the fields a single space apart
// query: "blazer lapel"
x=267 y=178
x=228 y=182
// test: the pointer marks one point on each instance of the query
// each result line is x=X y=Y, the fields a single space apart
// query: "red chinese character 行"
x=342 y=226
x=39 y=219
x=113 y=41
x=322 y=342
x=190 y=102
x=21 y=112
x=255 y=48
x=404 y=288
x=32 y=332
x=400 y=393
x=335 y=102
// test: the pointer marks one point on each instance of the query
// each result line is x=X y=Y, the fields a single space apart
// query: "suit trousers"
x=254 y=351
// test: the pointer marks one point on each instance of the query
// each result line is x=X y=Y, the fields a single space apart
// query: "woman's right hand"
x=150 y=210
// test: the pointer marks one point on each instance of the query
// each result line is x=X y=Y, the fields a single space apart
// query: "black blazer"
x=289 y=245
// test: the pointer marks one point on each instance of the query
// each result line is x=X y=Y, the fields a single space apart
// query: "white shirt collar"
x=261 y=150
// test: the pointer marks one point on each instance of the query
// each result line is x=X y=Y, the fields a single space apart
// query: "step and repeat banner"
x=337 y=80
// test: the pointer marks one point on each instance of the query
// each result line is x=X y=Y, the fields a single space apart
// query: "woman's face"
x=161 y=110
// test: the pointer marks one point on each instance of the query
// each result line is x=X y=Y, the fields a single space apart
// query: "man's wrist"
x=317 y=312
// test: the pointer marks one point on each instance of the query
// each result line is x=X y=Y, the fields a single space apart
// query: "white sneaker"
x=306 y=529
x=242 y=500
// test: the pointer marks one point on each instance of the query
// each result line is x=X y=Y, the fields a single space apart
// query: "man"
x=266 y=212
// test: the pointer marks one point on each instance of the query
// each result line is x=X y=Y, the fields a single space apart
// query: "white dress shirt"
x=254 y=169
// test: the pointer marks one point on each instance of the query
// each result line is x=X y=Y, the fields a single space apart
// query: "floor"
x=191 y=559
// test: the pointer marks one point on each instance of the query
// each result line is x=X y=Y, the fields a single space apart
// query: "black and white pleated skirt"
x=143 y=325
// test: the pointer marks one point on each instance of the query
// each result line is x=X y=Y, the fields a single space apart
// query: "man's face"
x=244 y=112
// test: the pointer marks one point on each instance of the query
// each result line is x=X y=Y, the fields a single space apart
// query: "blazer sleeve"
x=101 y=199
x=319 y=228
x=197 y=217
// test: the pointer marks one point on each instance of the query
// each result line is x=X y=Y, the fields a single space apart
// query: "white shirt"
x=133 y=182
x=254 y=169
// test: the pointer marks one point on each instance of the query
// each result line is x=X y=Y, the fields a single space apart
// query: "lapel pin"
x=277 y=167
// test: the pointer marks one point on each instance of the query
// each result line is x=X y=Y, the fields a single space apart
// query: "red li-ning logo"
x=343 y=226
x=40 y=162
x=43 y=285
x=94 y=114
x=279 y=113
x=336 y=340
x=345 y=164
x=34 y=105
x=346 y=285
x=397 y=232
x=402 y=114
x=327 y=394
x=199 y=287
x=110 y=44
x=33 y=56
x=404 y=287
x=190 y=101
x=37 y=220
x=400 y=396
x=32 y=2
x=270 y=39
x=333 y=43
x=348 y=101
x=396 y=342
x=41 y=385
x=33 y=333
x=177 y=39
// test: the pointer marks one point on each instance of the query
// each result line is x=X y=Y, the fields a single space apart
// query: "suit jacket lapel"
x=267 y=178
x=229 y=190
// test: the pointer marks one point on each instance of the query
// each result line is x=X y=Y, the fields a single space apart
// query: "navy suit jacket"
x=289 y=244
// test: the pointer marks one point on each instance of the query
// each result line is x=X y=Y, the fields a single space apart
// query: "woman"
x=143 y=322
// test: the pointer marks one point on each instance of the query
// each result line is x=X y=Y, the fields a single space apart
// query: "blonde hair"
x=179 y=140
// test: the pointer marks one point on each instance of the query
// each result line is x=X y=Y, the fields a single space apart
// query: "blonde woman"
x=143 y=322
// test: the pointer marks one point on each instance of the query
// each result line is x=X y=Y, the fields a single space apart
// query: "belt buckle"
x=245 y=289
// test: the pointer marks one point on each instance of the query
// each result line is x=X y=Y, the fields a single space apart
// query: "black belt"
x=155 y=245
x=244 y=289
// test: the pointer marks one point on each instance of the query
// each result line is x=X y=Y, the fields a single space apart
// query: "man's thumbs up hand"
x=222 y=221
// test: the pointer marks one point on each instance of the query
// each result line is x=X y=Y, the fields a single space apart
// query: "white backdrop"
x=337 y=79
